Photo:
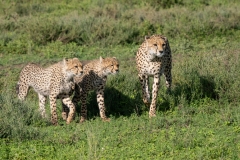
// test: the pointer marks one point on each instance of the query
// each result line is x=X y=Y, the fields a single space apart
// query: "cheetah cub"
x=153 y=59
x=55 y=81
x=94 y=78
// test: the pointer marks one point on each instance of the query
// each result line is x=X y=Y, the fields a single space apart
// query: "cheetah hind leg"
x=168 y=78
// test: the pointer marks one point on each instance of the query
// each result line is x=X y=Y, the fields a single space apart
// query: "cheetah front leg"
x=42 y=101
x=83 y=100
x=101 y=105
x=144 y=80
x=152 y=111
x=22 y=90
x=65 y=111
x=75 y=100
x=67 y=101
x=81 y=95
x=53 y=106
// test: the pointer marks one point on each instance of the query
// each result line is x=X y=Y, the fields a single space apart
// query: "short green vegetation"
x=199 y=119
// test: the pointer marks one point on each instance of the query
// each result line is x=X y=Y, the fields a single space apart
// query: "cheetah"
x=55 y=81
x=94 y=78
x=153 y=59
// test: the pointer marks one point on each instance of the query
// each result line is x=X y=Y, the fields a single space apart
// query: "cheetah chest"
x=66 y=87
x=150 y=68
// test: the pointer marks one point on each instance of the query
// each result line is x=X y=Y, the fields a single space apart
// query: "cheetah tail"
x=17 y=88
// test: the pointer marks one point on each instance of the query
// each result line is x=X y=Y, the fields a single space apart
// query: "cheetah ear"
x=164 y=38
x=114 y=58
x=101 y=59
x=65 y=60
x=147 y=37
x=75 y=59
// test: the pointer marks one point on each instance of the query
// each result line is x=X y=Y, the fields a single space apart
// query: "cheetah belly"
x=41 y=88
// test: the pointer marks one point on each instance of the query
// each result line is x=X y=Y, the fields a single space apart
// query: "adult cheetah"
x=56 y=81
x=94 y=78
x=153 y=58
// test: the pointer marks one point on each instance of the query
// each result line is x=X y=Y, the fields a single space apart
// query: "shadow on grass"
x=116 y=103
x=193 y=90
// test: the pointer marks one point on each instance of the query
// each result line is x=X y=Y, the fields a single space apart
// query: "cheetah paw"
x=106 y=119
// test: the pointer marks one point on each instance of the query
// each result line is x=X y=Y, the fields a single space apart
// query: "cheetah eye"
x=155 y=45
x=76 y=66
x=164 y=45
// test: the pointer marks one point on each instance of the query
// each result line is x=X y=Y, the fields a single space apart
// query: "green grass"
x=198 y=120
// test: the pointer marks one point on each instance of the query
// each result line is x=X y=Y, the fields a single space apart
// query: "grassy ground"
x=198 y=120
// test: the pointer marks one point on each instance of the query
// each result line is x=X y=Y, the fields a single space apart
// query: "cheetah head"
x=73 y=67
x=156 y=46
x=109 y=65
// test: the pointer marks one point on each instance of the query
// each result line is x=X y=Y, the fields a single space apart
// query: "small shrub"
x=16 y=119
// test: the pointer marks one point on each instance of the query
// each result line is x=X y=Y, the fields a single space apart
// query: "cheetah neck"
x=99 y=70
x=100 y=73
x=68 y=76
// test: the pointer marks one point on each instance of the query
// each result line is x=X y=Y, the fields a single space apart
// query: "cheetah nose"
x=161 y=52
x=81 y=72
x=117 y=70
